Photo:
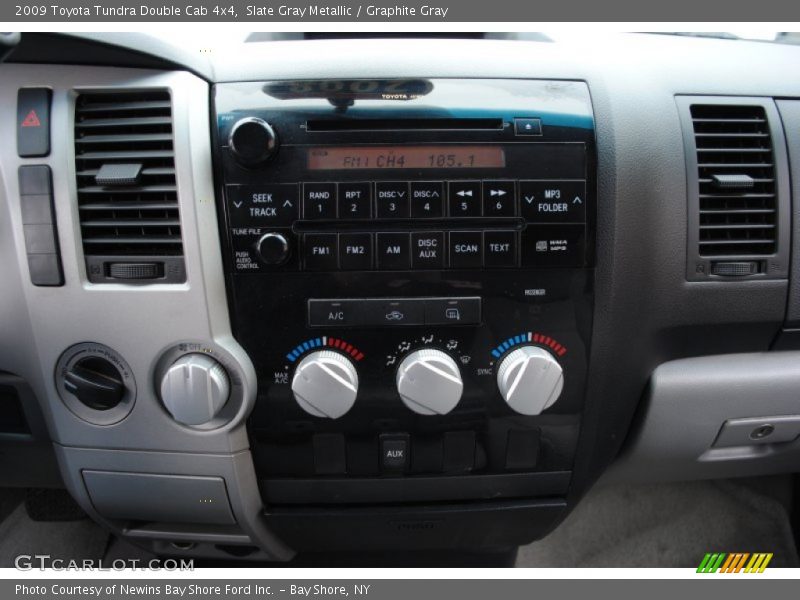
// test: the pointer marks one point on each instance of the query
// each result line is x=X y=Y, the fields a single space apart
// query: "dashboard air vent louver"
x=737 y=184
x=127 y=190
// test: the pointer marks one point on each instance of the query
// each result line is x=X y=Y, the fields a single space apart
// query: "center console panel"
x=410 y=268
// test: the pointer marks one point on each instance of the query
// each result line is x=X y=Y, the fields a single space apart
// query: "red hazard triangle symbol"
x=32 y=120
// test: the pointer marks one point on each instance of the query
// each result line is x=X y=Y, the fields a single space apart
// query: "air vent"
x=127 y=193
x=737 y=186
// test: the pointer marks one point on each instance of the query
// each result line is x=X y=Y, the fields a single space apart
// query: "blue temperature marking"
x=510 y=341
x=318 y=342
x=519 y=339
x=495 y=353
x=305 y=346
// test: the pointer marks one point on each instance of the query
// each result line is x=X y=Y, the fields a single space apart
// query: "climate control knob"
x=530 y=380
x=195 y=388
x=252 y=141
x=325 y=384
x=429 y=382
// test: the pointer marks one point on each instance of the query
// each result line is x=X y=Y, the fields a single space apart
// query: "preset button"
x=355 y=251
x=320 y=251
x=319 y=200
x=391 y=199
x=427 y=250
x=355 y=200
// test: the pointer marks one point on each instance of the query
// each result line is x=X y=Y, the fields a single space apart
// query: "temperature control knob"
x=252 y=141
x=530 y=380
x=325 y=384
x=429 y=382
x=195 y=388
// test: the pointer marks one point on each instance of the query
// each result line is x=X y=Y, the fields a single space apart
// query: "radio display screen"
x=406 y=157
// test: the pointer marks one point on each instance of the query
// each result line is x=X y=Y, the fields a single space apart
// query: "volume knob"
x=252 y=141
x=325 y=384
x=429 y=382
x=530 y=380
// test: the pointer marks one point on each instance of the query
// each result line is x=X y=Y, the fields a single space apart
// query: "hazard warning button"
x=33 y=122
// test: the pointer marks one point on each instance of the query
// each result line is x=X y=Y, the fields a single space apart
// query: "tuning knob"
x=273 y=248
x=530 y=380
x=429 y=382
x=325 y=384
x=252 y=141
x=194 y=389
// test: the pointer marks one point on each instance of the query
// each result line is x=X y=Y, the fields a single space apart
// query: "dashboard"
x=259 y=301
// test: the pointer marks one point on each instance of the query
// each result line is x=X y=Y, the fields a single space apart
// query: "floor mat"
x=65 y=540
x=671 y=525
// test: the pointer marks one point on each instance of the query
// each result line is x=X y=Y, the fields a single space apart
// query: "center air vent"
x=127 y=192
x=738 y=218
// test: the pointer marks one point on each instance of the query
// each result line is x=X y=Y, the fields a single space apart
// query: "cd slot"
x=457 y=224
x=322 y=125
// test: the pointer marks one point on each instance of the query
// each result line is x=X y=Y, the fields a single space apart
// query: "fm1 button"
x=394 y=453
x=320 y=251
x=427 y=250
x=553 y=201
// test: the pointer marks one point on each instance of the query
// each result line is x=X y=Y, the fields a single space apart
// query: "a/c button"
x=331 y=312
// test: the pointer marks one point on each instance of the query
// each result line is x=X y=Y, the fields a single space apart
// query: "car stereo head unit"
x=409 y=266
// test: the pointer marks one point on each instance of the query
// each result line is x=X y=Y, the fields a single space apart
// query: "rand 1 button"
x=270 y=205
x=499 y=198
x=319 y=200
x=393 y=251
x=427 y=199
x=499 y=249
x=453 y=311
x=553 y=246
x=391 y=199
x=466 y=249
x=355 y=200
x=355 y=251
x=427 y=250
x=553 y=201
x=464 y=198
x=322 y=313
x=320 y=251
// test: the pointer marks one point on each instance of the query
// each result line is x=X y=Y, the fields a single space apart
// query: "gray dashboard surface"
x=646 y=311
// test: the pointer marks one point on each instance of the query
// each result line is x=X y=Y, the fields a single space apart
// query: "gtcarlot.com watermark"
x=42 y=562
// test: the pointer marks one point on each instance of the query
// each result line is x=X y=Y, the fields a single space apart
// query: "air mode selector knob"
x=325 y=384
x=429 y=382
x=530 y=380
x=252 y=141
x=195 y=388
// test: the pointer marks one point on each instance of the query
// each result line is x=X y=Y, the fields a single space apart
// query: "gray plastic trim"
x=138 y=322
x=689 y=401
